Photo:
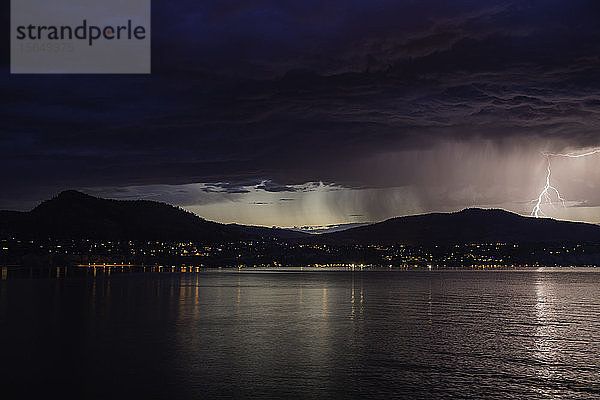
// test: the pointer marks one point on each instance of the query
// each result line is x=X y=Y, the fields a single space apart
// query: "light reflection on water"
x=544 y=346
x=226 y=334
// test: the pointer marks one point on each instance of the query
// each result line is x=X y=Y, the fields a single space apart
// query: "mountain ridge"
x=468 y=225
x=73 y=214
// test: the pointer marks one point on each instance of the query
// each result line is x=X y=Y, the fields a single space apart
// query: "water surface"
x=230 y=334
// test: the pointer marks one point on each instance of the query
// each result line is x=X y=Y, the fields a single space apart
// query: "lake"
x=301 y=334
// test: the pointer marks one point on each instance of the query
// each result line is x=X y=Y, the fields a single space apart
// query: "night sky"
x=314 y=113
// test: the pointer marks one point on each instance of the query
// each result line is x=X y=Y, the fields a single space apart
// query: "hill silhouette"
x=468 y=226
x=72 y=214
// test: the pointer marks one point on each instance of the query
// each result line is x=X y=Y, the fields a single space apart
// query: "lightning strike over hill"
x=546 y=195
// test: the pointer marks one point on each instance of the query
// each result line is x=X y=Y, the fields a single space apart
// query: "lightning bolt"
x=573 y=155
x=546 y=195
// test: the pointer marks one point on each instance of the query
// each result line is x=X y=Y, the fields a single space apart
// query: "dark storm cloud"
x=270 y=186
x=224 y=187
x=273 y=94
